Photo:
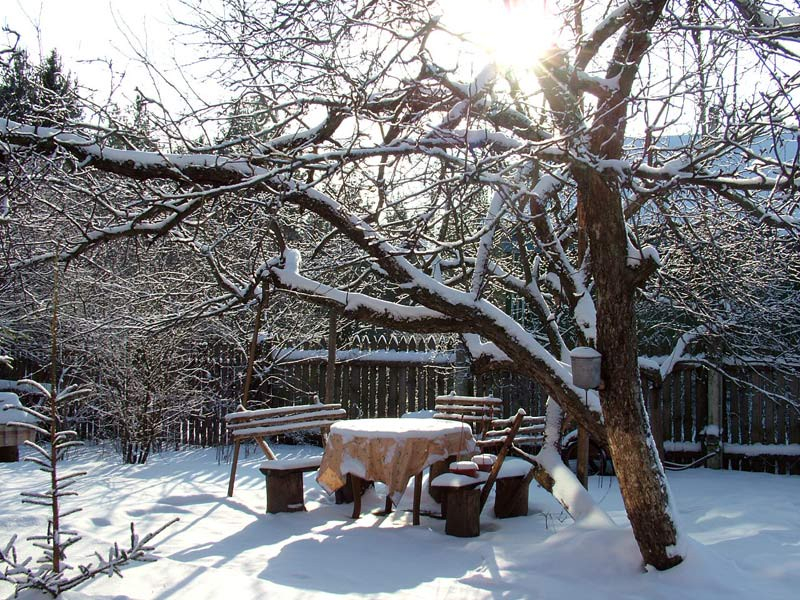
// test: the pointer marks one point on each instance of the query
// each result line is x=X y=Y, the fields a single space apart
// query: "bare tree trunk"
x=639 y=471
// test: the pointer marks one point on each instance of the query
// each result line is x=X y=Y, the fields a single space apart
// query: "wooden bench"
x=530 y=434
x=284 y=477
x=477 y=411
x=285 y=482
x=463 y=497
x=511 y=496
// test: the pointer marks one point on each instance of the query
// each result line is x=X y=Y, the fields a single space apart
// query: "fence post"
x=463 y=375
x=714 y=426
x=330 y=369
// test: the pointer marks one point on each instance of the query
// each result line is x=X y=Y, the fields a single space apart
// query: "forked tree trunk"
x=633 y=450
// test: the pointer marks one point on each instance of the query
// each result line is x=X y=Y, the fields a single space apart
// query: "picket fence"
x=759 y=416
x=759 y=419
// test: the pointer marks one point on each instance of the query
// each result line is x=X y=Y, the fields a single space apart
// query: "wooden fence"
x=758 y=427
x=757 y=409
x=758 y=417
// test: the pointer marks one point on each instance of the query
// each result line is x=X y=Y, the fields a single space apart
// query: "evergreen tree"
x=38 y=95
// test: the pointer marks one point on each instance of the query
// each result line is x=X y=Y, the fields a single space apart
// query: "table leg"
x=356 y=484
x=417 y=497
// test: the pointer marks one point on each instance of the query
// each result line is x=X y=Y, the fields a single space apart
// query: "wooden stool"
x=9 y=454
x=285 y=483
x=511 y=497
x=463 y=516
x=461 y=503
x=436 y=469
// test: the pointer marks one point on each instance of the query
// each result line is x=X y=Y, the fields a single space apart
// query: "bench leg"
x=285 y=492
x=234 y=461
x=511 y=497
x=463 y=512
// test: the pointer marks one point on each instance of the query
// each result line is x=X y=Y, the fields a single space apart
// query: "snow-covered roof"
x=8 y=414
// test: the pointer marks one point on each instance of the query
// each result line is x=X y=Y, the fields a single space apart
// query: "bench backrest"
x=477 y=411
x=286 y=419
x=530 y=433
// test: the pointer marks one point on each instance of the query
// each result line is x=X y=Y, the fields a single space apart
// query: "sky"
x=98 y=40
x=89 y=33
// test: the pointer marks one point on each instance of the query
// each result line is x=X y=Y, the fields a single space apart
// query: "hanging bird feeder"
x=585 y=367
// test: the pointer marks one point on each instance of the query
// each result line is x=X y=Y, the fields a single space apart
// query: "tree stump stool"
x=461 y=503
x=511 y=497
x=9 y=454
x=285 y=483
x=463 y=512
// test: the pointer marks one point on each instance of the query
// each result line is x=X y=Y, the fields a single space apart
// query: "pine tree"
x=38 y=95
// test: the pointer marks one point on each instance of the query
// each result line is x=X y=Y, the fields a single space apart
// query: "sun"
x=513 y=34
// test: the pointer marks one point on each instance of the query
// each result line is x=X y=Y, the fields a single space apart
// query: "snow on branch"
x=485 y=355
x=679 y=349
x=500 y=115
x=286 y=275
x=451 y=309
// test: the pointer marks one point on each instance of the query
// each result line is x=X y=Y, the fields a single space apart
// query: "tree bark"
x=639 y=470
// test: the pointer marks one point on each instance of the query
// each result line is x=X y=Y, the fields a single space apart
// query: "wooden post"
x=501 y=455
x=657 y=418
x=714 y=428
x=251 y=354
x=582 y=470
x=462 y=377
x=330 y=371
x=417 y=498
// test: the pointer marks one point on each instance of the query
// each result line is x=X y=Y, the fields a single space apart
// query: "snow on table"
x=398 y=428
x=390 y=450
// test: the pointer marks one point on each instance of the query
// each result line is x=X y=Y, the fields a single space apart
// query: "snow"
x=671 y=446
x=763 y=449
x=584 y=352
x=376 y=356
x=744 y=531
x=478 y=348
x=396 y=428
x=287 y=464
x=9 y=414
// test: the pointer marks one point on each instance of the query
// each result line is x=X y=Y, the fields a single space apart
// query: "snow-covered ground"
x=744 y=529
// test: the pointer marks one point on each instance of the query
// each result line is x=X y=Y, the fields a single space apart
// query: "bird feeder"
x=585 y=367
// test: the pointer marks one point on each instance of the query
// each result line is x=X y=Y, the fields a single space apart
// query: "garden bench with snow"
x=284 y=477
x=464 y=496
x=477 y=411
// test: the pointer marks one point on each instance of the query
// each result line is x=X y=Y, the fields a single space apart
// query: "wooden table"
x=390 y=451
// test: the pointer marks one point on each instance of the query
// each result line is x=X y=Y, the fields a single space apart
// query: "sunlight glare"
x=512 y=34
